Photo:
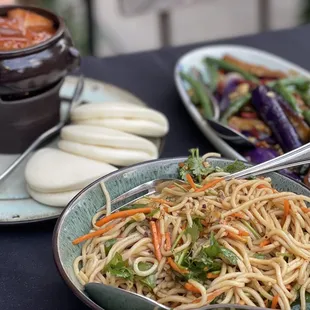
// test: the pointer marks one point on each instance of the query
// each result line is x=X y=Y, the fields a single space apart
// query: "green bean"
x=212 y=70
x=305 y=97
x=193 y=96
x=300 y=82
x=222 y=64
x=235 y=107
x=287 y=96
x=306 y=115
x=200 y=93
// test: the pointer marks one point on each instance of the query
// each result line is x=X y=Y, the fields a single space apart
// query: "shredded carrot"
x=238 y=215
x=183 y=227
x=158 y=232
x=286 y=205
x=209 y=185
x=162 y=201
x=175 y=267
x=175 y=304
x=305 y=210
x=288 y=287
x=196 y=301
x=211 y=275
x=96 y=233
x=155 y=241
x=204 y=223
x=191 y=181
x=266 y=302
x=235 y=236
x=122 y=214
x=274 y=302
x=181 y=165
x=190 y=287
x=264 y=243
x=243 y=233
x=214 y=295
x=168 y=241
x=260 y=186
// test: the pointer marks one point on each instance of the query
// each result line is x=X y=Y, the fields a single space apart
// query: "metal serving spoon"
x=50 y=132
x=229 y=134
x=297 y=157
x=110 y=297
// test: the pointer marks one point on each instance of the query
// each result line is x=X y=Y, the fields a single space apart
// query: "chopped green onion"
x=177 y=240
x=253 y=231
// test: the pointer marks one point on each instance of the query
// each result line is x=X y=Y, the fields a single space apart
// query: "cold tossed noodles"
x=206 y=241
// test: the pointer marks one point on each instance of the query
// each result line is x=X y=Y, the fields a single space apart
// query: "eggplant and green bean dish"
x=270 y=107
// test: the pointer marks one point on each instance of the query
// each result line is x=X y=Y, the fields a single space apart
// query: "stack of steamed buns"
x=101 y=137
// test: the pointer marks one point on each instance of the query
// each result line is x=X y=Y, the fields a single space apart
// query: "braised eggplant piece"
x=260 y=155
x=230 y=85
x=266 y=103
x=296 y=120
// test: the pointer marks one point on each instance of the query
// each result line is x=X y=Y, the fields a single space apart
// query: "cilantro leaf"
x=194 y=231
x=144 y=266
x=108 y=244
x=217 y=251
x=195 y=166
x=209 y=264
x=119 y=268
x=197 y=221
x=214 y=249
x=149 y=281
x=200 y=265
x=234 y=167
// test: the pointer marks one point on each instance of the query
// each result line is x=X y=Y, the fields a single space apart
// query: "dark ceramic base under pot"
x=23 y=120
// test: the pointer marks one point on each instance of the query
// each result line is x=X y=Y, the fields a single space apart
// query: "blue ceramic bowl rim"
x=56 y=232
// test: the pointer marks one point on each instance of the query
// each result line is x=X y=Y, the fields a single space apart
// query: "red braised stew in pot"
x=21 y=28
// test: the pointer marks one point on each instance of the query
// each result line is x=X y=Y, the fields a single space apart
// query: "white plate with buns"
x=110 y=129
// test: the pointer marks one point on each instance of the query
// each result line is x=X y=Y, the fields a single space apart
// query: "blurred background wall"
x=109 y=27
x=204 y=20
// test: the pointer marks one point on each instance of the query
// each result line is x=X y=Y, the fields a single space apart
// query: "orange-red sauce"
x=22 y=28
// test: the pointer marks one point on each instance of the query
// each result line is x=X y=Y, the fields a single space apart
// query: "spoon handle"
x=297 y=157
